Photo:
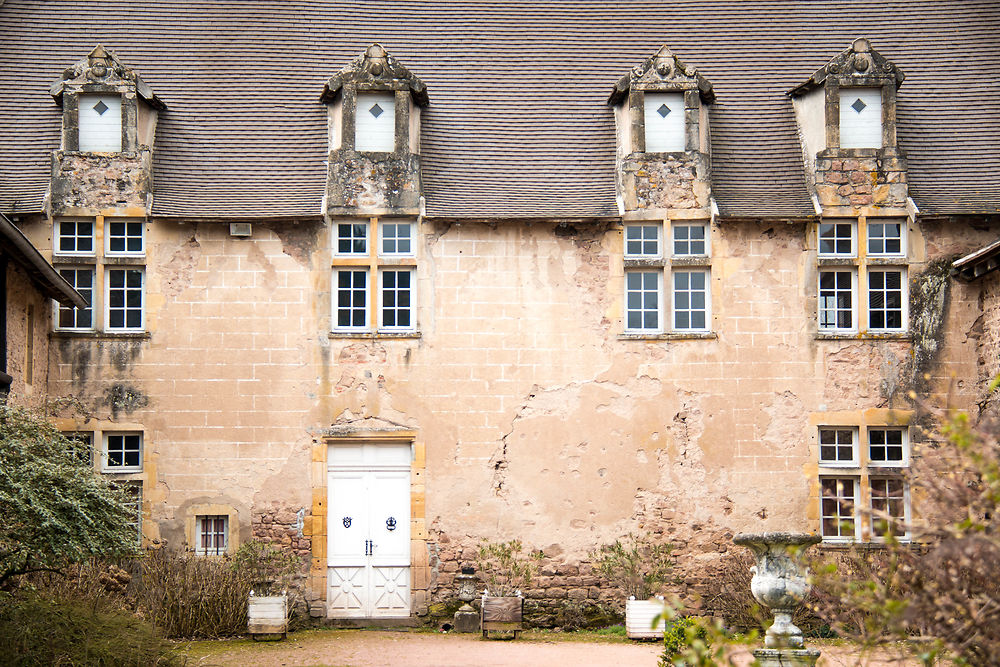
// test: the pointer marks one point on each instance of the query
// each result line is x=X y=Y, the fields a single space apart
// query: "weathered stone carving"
x=374 y=182
x=860 y=65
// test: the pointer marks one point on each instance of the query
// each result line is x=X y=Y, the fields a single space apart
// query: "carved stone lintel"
x=662 y=71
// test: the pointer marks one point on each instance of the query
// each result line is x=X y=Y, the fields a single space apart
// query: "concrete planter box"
x=639 y=615
x=502 y=615
x=267 y=615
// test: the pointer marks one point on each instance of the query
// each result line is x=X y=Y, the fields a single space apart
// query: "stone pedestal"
x=786 y=657
x=466 y=618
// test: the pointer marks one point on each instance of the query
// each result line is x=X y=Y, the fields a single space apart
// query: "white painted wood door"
x=368 y=569
x=100 y=123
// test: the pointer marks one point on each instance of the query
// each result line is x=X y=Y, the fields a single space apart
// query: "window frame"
x=200 y=533
x=107 y=307
x=853 y=310
x=835 y=254
x=904 y=522
x=106 y=466
x=658 y=273
x=855 y=515
x=382 y=238
x=903 y=462
x=706 y=231
x=337 y=238
x=411 y=308
x=707 y=290
x=84 y=442
x=75 y=311
x=658 y=226
x=904 y=299
x=108 y=252
x=884 y=222
x=58 y=236
x=837 y=463
x=366 y=308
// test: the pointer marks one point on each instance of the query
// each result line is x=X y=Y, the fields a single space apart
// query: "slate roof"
x=518 y=124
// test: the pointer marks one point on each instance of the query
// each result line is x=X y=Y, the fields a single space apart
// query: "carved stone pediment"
x=858 y=65
x=375 y=69
x=662 y=72
x=101 y=70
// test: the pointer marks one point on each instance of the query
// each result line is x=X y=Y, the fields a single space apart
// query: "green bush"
x=35 y=630
x=682 y=637
x=635 y=564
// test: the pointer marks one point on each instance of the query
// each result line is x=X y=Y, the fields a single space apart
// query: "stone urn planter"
x=639 y=615
x=267 y=615
x=780 y=582
x=502 y=614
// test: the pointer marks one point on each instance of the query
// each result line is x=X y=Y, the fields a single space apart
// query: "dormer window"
x=861 y=118
x=100 y=123
x=664 y=122
x=375 y=122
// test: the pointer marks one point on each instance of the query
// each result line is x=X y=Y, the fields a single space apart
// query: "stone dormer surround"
x=113 y=182
x=846 y=181
x=663 y=182
x=374 y=182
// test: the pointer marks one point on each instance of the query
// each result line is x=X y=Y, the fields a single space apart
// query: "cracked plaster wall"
x=538 y=421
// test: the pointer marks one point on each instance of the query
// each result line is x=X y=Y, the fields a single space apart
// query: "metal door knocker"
x=347 y=522
x=390 y=523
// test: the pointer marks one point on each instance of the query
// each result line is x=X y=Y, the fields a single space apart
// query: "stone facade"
x=877 y=180
x=28 y=321
x=675 y=181
x=359 y=183
x=109 y=182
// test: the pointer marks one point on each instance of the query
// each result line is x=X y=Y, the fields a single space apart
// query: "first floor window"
x=352 y=238
x=351 y=309
x=689 y=239
x=838 y=500
x=836 y=239
x=74 y=237
x=396 y=299
x=887 y=446
x=642 y=301
x=81 y=447
x=125 y=299
x=885 y=238
x=122 y=452
x=836 y=300
x=642 y=240
x=71 y=317
x=888 y=495
x=885 y=299
x=212 y=535
x=397 y=238
x=690 y=300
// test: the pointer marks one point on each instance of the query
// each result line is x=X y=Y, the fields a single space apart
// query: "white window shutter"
x=375 y=122
x=860 y=118
x=100 y=123
x=664 y=119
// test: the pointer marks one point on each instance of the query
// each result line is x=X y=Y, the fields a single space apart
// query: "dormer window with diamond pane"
x=101 y=123
x=664 y=122
x=375 y=123
x=860 y=118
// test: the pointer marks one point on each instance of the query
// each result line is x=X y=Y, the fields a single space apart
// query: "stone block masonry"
x=878 y=180
x=360 y=183
x=107 y=182
x=665 y=181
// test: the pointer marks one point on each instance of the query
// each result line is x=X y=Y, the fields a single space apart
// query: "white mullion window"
x=74 y=318
x=396 y=239
x=890 y=507
x=888 y=447
x=886 y=239
x=122 y=452
x=74 y=237
x=886 y=299
x=351 y=238
x=690 y=240
x=837 y=239
x=838 y=500
x=836 y=300
x=350 y=299
x=396 y=300
x=690 y=300
x=643 y=302
x=124 y=237
x=124 y=298
x=643 y=241
x=838 y=446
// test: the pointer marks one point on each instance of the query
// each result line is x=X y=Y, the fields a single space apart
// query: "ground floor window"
x=212 y=535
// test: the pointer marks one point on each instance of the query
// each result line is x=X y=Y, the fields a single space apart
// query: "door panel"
x=368 y=495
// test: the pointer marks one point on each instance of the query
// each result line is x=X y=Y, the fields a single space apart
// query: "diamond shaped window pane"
x=663 y=110
x=100 y=107
x=858 y=105
x=376 y=110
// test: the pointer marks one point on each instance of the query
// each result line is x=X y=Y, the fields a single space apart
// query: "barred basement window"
x=212 y=535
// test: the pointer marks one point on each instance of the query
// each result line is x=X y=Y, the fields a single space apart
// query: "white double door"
x=368 y=568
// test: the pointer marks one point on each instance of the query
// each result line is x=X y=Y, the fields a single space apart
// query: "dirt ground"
x=382 y=648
